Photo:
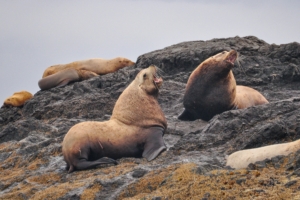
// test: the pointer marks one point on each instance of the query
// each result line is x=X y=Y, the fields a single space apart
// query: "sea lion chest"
x=207 y=95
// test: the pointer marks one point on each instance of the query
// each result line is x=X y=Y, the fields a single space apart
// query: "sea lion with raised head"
x=211 y=89
x=17 y=99
x=241 y=159
x=64 y=77
x=99 y=66
x=135 y=129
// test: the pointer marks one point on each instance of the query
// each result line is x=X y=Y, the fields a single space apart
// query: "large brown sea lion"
x=241 y=159
x=135 y=129
x=99 y=66
x=64 y=77
x=211 y=89
x=17 y=99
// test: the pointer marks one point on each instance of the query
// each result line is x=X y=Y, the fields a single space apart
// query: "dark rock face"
x=31 y=136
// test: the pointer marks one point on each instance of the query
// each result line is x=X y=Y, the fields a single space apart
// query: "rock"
x=31 y=136
x=240 y=181
x=290 y=183
x=138 y=173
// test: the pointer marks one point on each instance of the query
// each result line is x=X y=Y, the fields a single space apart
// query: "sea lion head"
x=126 y=62
x=218 y=65
x=148 y=80
x=8 y=102
x=225 y=60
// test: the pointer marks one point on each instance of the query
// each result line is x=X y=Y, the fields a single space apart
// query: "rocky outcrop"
x=32 y=166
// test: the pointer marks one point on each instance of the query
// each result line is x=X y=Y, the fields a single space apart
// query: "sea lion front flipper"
x=64 y=82
x=85 y=74
x=186 y=116
x=154 y=143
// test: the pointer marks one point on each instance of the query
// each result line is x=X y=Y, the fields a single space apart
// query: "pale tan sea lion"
x=17 y=99
x=99 y=66
x=211 y=89
x=135 y=129
x=241 y=159
x=64 y=77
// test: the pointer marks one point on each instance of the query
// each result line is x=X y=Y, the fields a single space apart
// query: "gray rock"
x=36 y=130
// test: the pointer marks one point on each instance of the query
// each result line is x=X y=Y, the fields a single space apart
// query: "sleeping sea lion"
x=99 y=66
x=241 y=159
x=17 y=99
x=64 y=77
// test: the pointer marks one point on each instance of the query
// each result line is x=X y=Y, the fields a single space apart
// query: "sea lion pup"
x=241 y=159
x=99 y=66
x=135 y=129
x=64 y=77
x=17 y=99
x=211 y=89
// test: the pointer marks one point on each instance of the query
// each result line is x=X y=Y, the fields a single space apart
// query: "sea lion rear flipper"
x=154 y=144
x=85 y=164
x=186 y=116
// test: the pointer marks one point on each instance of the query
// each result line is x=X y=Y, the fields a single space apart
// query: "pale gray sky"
x=36 y=34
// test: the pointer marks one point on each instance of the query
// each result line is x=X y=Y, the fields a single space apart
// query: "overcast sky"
x=36 y=34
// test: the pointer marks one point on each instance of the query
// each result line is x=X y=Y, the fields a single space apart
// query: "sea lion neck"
x=135 y=107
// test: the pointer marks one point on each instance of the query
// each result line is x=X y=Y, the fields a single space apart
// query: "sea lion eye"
x=144 y=75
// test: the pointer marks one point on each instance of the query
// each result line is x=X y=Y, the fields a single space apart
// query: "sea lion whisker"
x=160 y=71
x=241 y=66
x=155 y=85
x=100 y=144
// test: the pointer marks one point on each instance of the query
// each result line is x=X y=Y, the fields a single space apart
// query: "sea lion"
x=64 y=77
x=17 y=99
x=241 y=159
x=99 y=66
x=211 y=89
x=135 y=129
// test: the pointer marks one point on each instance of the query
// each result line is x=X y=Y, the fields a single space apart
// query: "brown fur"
x=97 y=65
x=211 y=89
x=64 y=77
x=135 y=129
x=18 y=99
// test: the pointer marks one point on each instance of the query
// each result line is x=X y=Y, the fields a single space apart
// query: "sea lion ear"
x=154 y=143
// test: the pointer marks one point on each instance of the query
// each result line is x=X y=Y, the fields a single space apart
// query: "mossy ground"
x=182 y=182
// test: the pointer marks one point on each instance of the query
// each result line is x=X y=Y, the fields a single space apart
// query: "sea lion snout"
x=231 y=57
x=157 y=80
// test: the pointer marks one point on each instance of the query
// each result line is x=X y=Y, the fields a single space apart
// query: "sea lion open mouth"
x=232 y=57
x=157 y=80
